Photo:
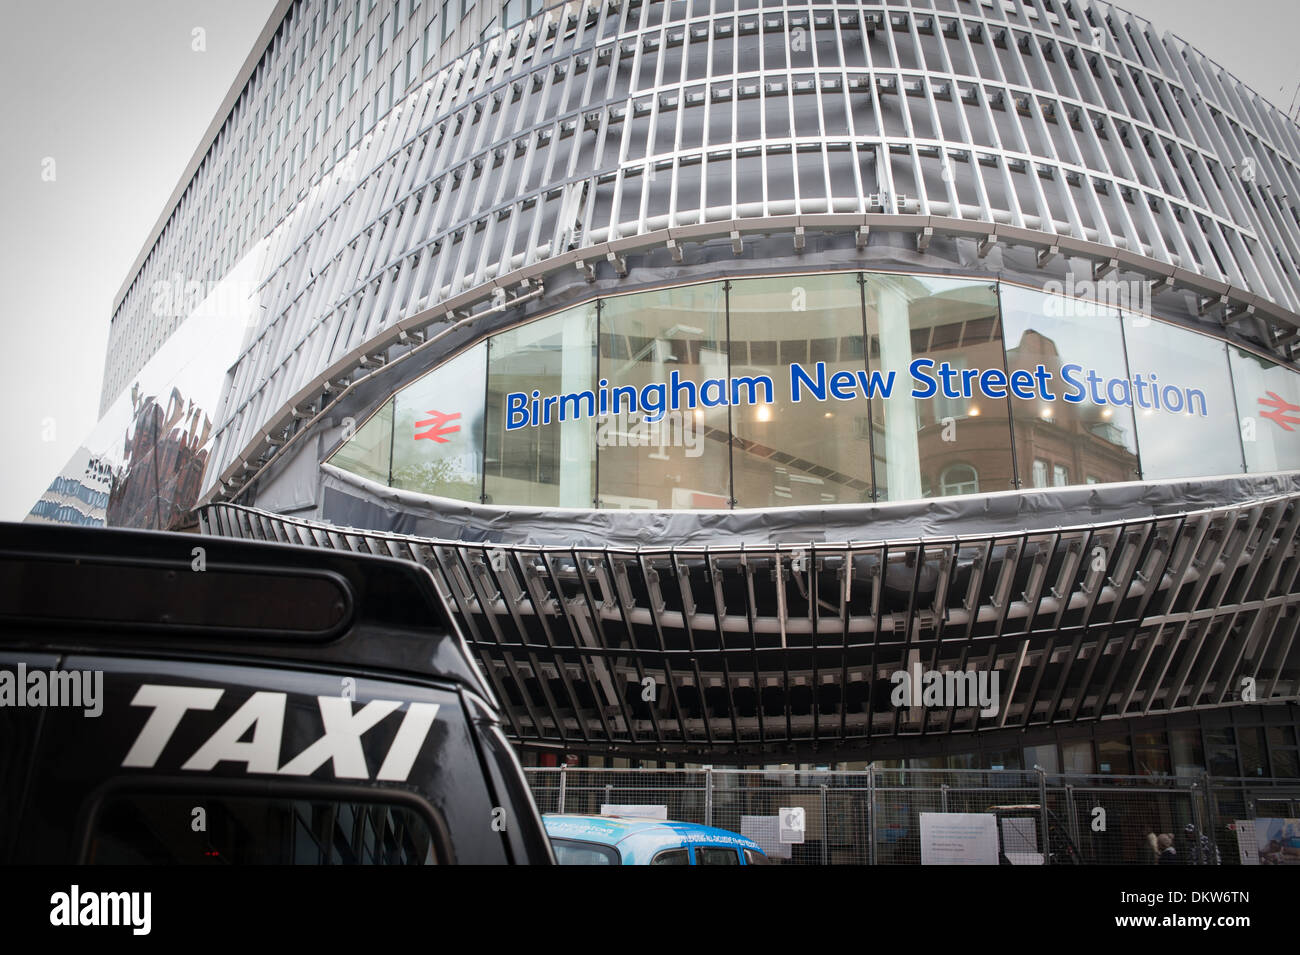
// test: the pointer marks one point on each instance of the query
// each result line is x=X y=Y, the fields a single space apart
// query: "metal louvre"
x=784 y=648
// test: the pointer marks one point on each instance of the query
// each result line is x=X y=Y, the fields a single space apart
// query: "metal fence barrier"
x=873 y=816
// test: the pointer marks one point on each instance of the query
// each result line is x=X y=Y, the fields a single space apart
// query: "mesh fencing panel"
x=874 y=817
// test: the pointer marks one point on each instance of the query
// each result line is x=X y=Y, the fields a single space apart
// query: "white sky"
x=115 y=94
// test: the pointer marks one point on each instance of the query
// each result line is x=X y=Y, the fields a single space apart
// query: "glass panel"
x=438 y=429
x=810 y=451
x=1286 y=763
x=659 y=348
x=937 y=432
x=1114 y=756
x=1043 y=755
x=154 y=829
x=1221 y=752
x=1268 y=400
x=671 y=857
x=369 y=451
x=1076 y=757
x=541 y=412
x=576 y=852
x=1189 y=758
x=710 y=856
x=1002 y=759
x=1281 y=736
x=1059 y=442
x=1251 y=742
x=1182 y=400
x=1152 y=754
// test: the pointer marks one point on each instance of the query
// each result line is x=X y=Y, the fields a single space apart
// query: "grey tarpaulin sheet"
x=351 y=501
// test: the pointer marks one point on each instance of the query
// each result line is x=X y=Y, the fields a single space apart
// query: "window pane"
x=1174 y=370
x=648 y=341
x=438 y=429
x=1001 y=759
x=1044 y=756
x=1268 y=400
x=671 y=857
x=550 y=463
x=1152 y=754
x=154 y=829
x=1064 y=439
x=955 y=440
x=1076 y=757
x=1221 y=751
x=1114 y=756
x=709 y=856
x=368 y=451
x=1281 y=736
x=810 y=451
x=1286 y=764
x=576 y=852
x=1251 y=742
x=1189 y=759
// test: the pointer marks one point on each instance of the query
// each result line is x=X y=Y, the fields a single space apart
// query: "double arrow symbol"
x=1281 y=410
x=438 y=427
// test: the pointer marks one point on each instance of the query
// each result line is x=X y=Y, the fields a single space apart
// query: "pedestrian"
x=1201 y=849
x=1166 y=854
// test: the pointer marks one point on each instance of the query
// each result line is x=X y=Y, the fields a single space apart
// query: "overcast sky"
x=116 y=95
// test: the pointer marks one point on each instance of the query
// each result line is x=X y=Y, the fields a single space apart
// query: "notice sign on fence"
x=959 y=838
x=792 y=824
x=1247 y=849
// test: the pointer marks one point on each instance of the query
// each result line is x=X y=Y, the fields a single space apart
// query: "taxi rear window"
x=715 y=855
x=671 y=857
x=577 y=852
x=142 y=828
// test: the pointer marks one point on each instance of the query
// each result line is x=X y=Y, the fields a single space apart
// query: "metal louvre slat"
x=592 y=625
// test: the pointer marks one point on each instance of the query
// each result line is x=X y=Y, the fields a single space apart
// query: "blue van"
x=621 y=840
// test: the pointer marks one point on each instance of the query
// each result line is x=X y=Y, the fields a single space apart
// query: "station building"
x=724 y=361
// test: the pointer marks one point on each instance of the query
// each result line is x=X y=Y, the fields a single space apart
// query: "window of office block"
x=811 y=451
x=369 y=451
x=438 y=429
x=655 y=346
x=541 y=451
x=1188 y=754
x=1063 y=340
x=1183 y=401
x=1268 y=406
x=936 y=432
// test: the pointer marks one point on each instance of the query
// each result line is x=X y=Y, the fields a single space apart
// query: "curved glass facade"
x=822 y=389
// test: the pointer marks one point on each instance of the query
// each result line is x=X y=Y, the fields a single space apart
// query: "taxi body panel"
x=640 y=841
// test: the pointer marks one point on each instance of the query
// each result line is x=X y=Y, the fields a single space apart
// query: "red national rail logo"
x=1280 y=411
x=437 y=426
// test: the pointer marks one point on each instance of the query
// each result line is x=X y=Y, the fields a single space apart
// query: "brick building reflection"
x=165 y=451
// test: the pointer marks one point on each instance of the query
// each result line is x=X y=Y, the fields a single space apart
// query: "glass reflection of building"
x=757 y=453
